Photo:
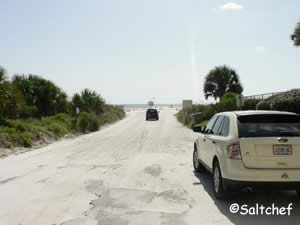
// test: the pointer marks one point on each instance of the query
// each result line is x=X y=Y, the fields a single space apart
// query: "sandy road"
x=134 y=172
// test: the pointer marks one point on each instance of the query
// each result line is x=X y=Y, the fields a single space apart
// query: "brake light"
x=234 y=151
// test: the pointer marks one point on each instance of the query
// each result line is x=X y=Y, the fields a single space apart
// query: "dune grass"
x=30 y=132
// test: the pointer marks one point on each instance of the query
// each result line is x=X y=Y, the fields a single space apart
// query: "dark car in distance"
x=152 y=114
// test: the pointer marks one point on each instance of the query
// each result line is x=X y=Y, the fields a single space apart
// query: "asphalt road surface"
x=134 y=172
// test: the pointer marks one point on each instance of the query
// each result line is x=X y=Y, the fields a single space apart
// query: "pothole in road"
x=154 y=170
x=121 y=205
x=178 y=195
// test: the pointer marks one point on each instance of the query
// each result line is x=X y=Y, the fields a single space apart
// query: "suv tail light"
x=234 y=151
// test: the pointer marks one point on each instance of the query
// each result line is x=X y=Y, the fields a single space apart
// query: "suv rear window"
x=151 y=111
x=269 y=125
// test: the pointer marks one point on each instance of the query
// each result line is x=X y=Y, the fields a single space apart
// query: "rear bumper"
x=152 y=117
x=237 y=185
x=236 y=171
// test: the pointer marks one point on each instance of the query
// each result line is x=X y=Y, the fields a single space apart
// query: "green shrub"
x=116 y=112
x=111 y=115
x=93 y=124
x=227 y=102
x=57 y=126
x=24 y=132
x=264 y=105
x=39 y=132
x=18 y=125
x=250 y=104
x=29 y=111
x=83 y=122
x=208 y=112
x=61 y=118
x=87 y=122
x=185 y=115
x=3 y=122
x=10 y=137
x=26 y=139
x=187 y=119
x=287 y=101
x=74 y=124
x=35 y=109
x=57 y=129
x=64 y=118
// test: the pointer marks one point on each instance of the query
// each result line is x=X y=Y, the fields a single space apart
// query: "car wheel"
x=199 y=168
x=218 y=187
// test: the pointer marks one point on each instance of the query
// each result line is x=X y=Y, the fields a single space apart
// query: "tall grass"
x=28 y=132
x=24 y=132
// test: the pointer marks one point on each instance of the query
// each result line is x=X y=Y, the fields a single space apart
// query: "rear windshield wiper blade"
x=289 y=133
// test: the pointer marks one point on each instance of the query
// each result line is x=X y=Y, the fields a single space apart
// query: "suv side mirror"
x=209 y=131
x=197 y=129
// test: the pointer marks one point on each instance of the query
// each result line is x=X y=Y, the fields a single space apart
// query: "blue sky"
x=132 y=50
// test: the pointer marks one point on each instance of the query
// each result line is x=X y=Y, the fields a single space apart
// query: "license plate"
x=282 y=150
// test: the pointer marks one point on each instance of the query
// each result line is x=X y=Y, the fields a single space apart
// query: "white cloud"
x=260 y=49
x=231 y=6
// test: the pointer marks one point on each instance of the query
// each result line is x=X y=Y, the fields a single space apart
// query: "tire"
x=198 y=167
x=218 y=187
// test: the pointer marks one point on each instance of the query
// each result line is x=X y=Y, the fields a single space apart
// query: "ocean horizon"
x=146 y=106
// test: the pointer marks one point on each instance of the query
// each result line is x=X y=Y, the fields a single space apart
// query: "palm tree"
x=296 y=35
x=220 y=80
x=89 y=101
x=44 y=94
x=2 y=74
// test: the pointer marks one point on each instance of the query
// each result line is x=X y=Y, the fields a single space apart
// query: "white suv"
x=250 y=149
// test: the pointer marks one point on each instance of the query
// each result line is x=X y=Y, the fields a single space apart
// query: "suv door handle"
x=204 y=139
x=213 y=142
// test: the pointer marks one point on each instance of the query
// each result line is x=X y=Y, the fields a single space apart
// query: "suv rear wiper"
x=289 y=133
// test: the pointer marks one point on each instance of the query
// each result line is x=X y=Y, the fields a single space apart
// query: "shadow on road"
x=251 y=198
